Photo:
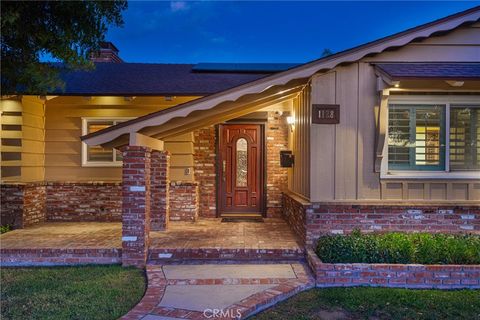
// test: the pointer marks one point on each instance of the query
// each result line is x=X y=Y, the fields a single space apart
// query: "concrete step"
x=241 y=217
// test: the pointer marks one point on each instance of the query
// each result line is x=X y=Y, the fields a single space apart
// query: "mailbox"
x=286 y=159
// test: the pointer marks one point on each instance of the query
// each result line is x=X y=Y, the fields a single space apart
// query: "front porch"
x=64 y=243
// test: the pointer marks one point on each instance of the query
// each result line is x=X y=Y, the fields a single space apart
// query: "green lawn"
x=89 y=292
x=377 y=303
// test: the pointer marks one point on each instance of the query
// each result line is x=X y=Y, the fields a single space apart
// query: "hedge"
x=420 y=248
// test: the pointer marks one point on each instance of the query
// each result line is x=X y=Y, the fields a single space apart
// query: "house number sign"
x=326 y=113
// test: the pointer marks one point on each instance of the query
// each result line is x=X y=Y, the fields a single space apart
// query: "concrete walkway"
x=216 y=291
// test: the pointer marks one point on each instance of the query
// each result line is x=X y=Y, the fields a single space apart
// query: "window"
x=464 y=138
x=97 y=155
x=433 y=133
x=416 y=137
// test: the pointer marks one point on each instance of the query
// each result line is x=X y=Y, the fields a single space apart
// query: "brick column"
x=159 y=193
x=135 y=205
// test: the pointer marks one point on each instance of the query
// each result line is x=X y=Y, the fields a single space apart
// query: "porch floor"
x=212 y=233
x=205 y=233
x=65 y=235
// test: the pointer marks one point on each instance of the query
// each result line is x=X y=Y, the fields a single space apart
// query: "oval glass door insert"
x=242 y=165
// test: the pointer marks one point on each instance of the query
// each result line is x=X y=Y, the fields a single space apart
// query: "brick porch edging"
x=179 y=254
x=414 y=276
x=59 y=257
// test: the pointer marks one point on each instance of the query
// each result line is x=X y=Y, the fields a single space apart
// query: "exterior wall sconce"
x=455 y=83
x=291 y=123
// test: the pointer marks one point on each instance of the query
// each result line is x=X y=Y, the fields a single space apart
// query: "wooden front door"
x=241 y=168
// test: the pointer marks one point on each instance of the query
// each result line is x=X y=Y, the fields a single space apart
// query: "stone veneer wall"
x=204 y=167
x=22 y=204
x=84 y=201
x=342 y=218
x=276 y=133
x=184 y=196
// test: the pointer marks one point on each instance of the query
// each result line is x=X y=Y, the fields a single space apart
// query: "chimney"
x=107 y=53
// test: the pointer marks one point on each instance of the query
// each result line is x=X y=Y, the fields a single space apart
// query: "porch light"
x=291 y=122
x=454 y=83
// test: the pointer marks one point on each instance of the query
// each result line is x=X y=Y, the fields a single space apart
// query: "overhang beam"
x=138 y=139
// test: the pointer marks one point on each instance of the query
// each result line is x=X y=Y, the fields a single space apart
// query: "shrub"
x=422 y=248
x=5 y=228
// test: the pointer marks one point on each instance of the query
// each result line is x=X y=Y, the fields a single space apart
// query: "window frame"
x=470 y=106
x=448 y=101
x=85 y=122
x=442 y=140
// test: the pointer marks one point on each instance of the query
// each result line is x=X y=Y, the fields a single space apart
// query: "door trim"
x=218 y=165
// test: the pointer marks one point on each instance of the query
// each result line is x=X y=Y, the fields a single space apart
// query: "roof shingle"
x=153 y=79
x=446 y=71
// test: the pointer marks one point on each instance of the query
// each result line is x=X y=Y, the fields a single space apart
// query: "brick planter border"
x=414 y=276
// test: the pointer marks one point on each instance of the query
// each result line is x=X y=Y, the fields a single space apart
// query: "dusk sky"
x=191 y=32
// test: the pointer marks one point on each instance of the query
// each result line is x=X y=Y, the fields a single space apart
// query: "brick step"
x=214 y=254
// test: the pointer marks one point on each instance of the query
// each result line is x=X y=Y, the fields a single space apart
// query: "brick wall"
x=340 y=219
x=160 y=185
x=276 y=132
x=204 y=167
x=394 y=275
x=49 y=257
x=323 y=218
x=277 y=181
x=34 y=204
x=184 y=196
x=294 y=213
x=84 y=201
x=22 y=204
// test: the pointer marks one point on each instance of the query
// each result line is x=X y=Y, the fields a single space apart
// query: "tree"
x=68 y=31
x=326 y=52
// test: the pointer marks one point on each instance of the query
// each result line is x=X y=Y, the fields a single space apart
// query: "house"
x=382 y=137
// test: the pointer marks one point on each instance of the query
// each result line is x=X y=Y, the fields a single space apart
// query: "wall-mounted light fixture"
x=291 y=122
x=454 y=83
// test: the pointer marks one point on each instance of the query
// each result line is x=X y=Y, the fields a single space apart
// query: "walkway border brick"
x=157 y=283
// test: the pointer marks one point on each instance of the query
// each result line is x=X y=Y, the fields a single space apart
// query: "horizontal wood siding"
x=63 y=147
x=23 y=140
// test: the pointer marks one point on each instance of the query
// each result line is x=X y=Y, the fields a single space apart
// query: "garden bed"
x=397 y=260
